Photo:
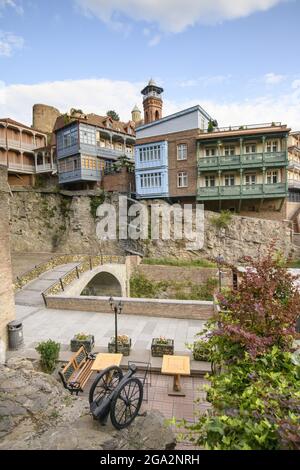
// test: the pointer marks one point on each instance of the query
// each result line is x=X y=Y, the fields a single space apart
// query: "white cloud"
x=9 y=43
x=296 y=84
x=155 y=40
x=13 y=4
x=99 y=95
x=174 y=15
x=273 y=78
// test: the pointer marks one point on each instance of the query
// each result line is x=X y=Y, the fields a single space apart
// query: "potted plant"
x=201 y=349
x=161 y=346
x=82 y=339
x=123 y=343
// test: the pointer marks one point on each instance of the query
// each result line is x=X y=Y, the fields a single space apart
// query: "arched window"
x=156 y=115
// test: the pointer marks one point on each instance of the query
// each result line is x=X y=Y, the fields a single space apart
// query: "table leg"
x=176 y=383
x=176 y=390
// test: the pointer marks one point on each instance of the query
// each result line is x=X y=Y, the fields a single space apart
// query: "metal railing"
x=87 y=265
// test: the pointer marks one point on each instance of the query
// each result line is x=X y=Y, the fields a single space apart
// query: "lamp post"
x=117 y=308
x=220 y=261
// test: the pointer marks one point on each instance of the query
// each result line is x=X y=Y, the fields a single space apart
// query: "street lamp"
x=117 y=308
x=220 y=261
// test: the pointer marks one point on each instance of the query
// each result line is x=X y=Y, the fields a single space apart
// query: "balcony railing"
x=112 y=153
x=245 y=127
x=243 y=161
x=46 y=167
x=17 y=144
x=293 y=183
x=25 y=168
x=242 y=191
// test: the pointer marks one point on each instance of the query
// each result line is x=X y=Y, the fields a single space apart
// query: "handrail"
x=87 y=265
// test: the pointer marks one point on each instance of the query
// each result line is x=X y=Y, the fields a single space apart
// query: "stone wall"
x=175 y=273
x=49 y=221
x=7 y=308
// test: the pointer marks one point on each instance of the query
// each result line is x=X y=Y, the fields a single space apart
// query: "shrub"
x=49 y=351
x=222 y=220
x=95 y=202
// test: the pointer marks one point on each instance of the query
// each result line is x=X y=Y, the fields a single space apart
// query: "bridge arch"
x=103 y=284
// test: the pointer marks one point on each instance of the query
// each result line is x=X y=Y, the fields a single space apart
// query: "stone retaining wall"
x=178 y=273
x=196 y=310
x=7 y=308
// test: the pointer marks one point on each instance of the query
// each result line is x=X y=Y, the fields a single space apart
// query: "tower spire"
x=152 y=102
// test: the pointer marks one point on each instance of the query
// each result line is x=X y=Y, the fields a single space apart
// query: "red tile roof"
x=96 y=120
x=19 y=124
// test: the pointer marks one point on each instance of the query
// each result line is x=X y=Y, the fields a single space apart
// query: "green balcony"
x=245 y=191
x=246 y=160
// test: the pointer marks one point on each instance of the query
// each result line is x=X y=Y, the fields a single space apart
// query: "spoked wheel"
x=126 y=403
x=105 y=383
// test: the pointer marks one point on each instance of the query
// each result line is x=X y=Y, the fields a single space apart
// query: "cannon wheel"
x=126 y=403
x=105 y=383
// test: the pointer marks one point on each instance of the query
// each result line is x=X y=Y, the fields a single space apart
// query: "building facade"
x=88 y=145
x=165 y=155
x=18 y=152
x=294 y=166
x=243 y=169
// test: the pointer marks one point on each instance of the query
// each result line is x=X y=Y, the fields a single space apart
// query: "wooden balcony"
x=249 y=160
x=245 y=191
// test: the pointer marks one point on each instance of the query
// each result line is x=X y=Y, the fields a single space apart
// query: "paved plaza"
x=40 y=323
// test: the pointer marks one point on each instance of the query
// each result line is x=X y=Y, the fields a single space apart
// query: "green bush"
x=222 y=220
x=95 y=202
x=49 y=351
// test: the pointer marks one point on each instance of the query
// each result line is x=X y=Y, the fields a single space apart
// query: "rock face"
x=36 y=412
x=61 y=222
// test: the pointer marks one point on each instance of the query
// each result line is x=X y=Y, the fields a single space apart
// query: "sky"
x=238 y=59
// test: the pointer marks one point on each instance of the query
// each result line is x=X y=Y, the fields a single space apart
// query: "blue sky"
x=239 y=60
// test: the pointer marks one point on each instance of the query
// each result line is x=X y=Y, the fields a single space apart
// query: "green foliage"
x=197 y=263
x=111 y=113
x=49 y=351
x=82 y=336
x=255 y=406
x=255 y=396
x=142 y=287
x=210 y=126
x=222 y=220
x=95 y=202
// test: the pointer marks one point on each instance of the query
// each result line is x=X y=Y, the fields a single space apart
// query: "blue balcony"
x=81 y=174
x=248 y=160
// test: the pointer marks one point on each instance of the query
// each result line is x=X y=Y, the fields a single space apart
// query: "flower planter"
x=88 y=343
x=123 y=348
x=200 y=352
x=159 y=349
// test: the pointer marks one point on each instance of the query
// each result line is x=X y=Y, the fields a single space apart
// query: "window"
x=182 y=152
x=210 y=151
x=272 y=146
x=251 y=148
x=182 y=179
x=87 y=135
x=229 y=150
x=272 y=177
x=229 y=180
x=149 y=154
x=150 y=180
x=250 y=179
x=210 y=181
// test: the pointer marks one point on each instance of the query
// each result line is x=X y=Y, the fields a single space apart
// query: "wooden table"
x=104 y=360
x=177 y=366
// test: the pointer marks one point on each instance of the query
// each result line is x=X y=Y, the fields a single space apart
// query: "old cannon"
x=117 y=395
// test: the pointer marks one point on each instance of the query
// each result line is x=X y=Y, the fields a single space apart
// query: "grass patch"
x=294 y=264
x=195 y=263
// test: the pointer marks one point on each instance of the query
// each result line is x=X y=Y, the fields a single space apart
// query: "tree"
x=111 y=113
x=255 y=395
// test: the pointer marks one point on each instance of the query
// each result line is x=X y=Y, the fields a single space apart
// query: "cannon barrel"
x=101 y=411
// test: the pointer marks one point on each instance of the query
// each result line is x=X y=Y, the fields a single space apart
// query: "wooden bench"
x=77 y=372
